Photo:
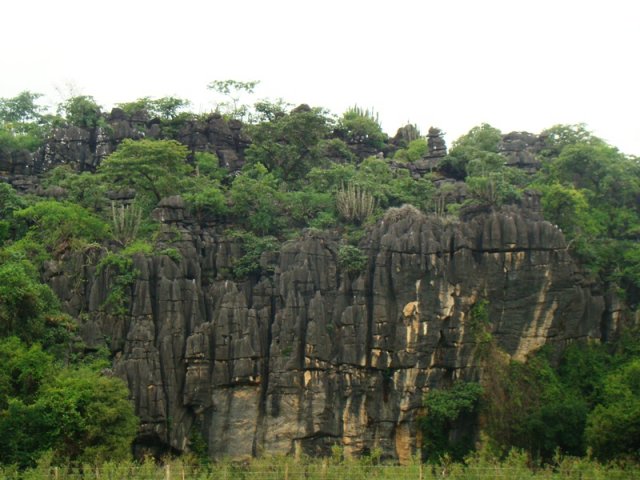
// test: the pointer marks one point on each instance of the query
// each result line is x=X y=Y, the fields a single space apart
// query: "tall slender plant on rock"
x=354 y=203
x=125 y=222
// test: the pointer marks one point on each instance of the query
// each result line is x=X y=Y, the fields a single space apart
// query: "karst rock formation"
x=306 y=354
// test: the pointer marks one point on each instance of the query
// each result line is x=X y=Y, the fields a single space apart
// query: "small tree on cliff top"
x=151 y=167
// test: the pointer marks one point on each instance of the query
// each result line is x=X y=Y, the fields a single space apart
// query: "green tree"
x=253 y=246
x=302 y=207
x=289 y=145
x=330 y=178
x=416 y=150
x=86 y=189
x=23 y=108
x=256 y=201
x=164 y=108
x=361 y=126
x=586 y=166
x=207 y=199
x=526 y=405
x=58 y=224
x=560 y=136
x=568 y=208
x=24 y=301
x=208 y=166
x=78 y=415
x=479 y=144
x=81 y=111
x=152 y=167
x=24 y=370
x=268 y=111
x=590 y=189
x=23 y=123
x=496 y=185
x=389 y=187
x=351 y=259
x=448 y=410
x=96 y=421
x=10 y=201
x=232 y=91
x=613 y=428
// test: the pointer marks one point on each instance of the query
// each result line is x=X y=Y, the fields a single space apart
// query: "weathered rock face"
x=520 y=150
x=83 y=149
x=310 y=355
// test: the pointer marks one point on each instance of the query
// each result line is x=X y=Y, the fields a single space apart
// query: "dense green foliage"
x=70 y=410
x=54 y=400
x=23 y=122
x=361 y=126
x=480 y=145
x=591 y=191
x=165 y=108
x=290 y=144
x=448 y=410
x=351 y=259
x=152 y=167
x=253 y=248
x=82 y=111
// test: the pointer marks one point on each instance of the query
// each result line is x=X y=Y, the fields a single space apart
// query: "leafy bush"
x=289 y=145
x=122 y=274
x=208 y=202
x=361 y=126
x=57 y=223
x=208 y=166
x=335 y=150
x=82 y=111
x=416 y=150
x=23 y=124
x=77 y=414
x=448 y=410
x=479 y=144
x=14 y=141
x=253 y=247
x=24 y=301
x=613 y=427
x=323 y=221
x=496 y=187
x=351 y=259
x=528 y=406
x=256 y=200
x=151 y=167
x=173 y=253
x=89 y=190
x=24 y=370
x=303 y=206
x=164 y=108
x=10 y=201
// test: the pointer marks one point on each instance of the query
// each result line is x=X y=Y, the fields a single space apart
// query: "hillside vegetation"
x=305 y=168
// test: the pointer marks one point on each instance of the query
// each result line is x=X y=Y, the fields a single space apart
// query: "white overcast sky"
x=518 y=64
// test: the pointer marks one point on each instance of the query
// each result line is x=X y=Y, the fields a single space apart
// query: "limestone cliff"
x=84 y=148
x=307 y=355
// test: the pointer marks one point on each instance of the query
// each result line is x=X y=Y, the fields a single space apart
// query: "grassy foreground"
x=515 y=466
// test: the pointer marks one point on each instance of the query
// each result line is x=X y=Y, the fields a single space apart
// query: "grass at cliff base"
x=515 y=466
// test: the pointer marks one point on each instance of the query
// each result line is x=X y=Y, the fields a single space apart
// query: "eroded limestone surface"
x=309 y=356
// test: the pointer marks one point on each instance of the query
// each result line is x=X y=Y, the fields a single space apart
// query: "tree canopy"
x=152 y=167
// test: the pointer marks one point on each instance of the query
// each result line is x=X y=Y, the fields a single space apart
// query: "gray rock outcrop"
x=308 y=355
x=84 y=148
